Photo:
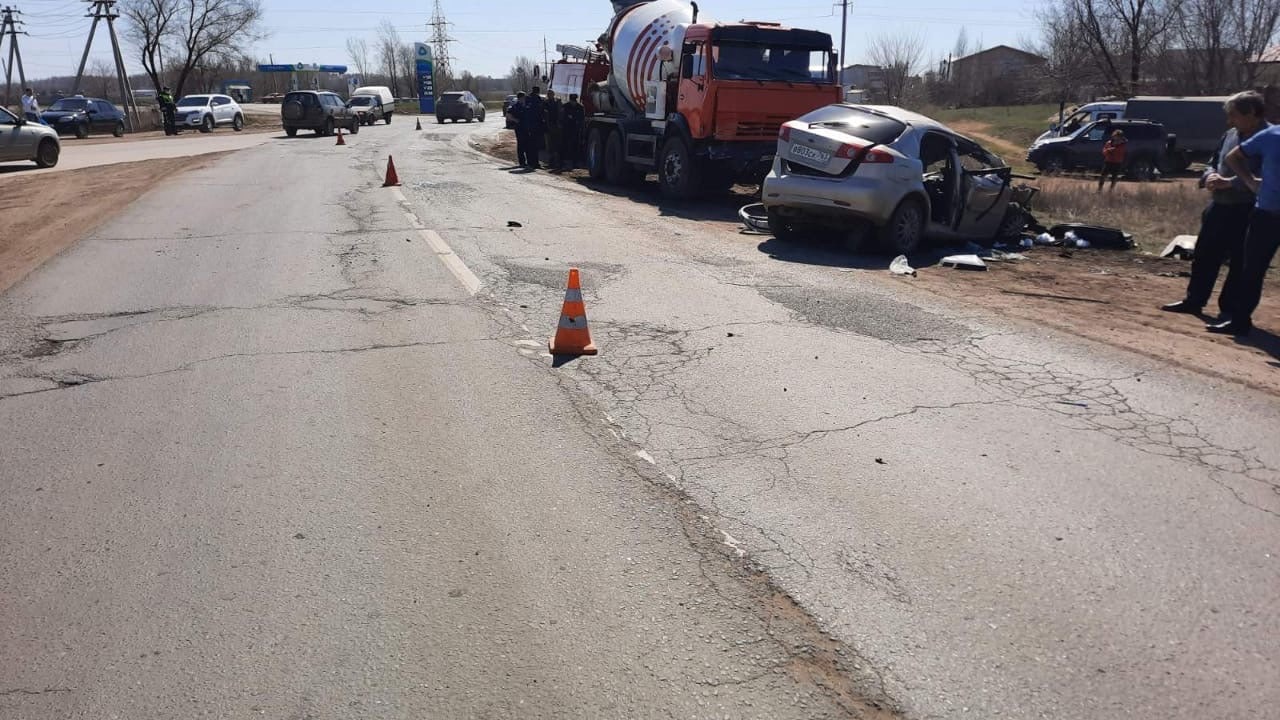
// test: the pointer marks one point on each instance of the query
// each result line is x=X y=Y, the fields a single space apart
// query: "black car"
x=80 y=116
x=1150 y=148
x=318 y=111
x=460 y=105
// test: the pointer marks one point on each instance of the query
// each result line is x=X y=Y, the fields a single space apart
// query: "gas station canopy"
x=302 y=67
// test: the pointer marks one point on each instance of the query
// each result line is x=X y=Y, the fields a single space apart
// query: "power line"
x=105 y=10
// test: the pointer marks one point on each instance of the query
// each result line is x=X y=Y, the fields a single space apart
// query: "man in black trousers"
x=1225 y=222
x=533 y=119
x=573 y=118
x=1263 y=239
x=516 y=115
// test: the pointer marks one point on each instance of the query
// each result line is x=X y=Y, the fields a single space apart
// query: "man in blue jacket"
x=1263 y=238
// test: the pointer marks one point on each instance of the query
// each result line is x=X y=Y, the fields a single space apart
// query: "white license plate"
x=808 y=153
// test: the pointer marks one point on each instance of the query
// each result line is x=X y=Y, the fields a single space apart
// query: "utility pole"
x=440 y=45
x=105 y=10
x=9 y=29
x=844 y=33
x=546 y=59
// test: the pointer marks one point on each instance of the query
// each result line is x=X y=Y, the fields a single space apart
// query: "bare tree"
x=195 y=34
x=358 y=51
x=899 y=57
x=409 y=69
x=1070 y=68
x=1222 y=38
x=962 y=44
x=389 y=47
x=525 y=73
x=103 y=76
x=1121 y=34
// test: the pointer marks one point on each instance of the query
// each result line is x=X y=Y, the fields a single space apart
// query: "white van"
x=372 y=103
x=1081 y=116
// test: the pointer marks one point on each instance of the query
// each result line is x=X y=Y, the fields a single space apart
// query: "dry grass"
x=1153 y=211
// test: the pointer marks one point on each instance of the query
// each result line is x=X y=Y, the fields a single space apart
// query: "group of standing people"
x=1241 y=225
x=549 y=124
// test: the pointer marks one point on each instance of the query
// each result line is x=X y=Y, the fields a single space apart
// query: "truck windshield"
x=733 y=60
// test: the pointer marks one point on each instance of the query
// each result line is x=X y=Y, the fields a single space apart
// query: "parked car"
x=1150 y=148
x=272 y=98
x=381 y=107
x=21 y=139
x=368 y=108
x=209 y=111
x=318 y=111
x=864 y=169
x=506 y=108
x=81 y=115
x=457 y=106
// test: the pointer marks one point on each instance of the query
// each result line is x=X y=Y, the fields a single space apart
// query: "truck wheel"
x=905 y=229
x=47 y=153
x=595 y=154
x=678 y=173
x=616 y=169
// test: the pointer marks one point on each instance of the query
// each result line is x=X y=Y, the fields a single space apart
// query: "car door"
x=14 y=143
x=105 y=119
x=1086 y=149
x=984 y=187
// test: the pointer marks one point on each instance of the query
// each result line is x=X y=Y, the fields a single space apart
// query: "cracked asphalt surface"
x=265 y=456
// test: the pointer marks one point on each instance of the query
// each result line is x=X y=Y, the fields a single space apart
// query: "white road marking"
x=443 y=252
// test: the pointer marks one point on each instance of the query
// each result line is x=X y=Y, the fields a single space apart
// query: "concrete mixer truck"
x=696 y=101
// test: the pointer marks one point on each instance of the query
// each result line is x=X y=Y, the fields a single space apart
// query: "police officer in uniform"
x=572 y=119
x=515 y=114
x=169 y=110
x=533 y=120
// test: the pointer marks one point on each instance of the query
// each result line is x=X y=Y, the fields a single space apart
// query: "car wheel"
x=1054 y=164
x=1143 y=169
x=595 y=154
x=387 y=118
x=291 y=132
x=47 y=153
x=782 y=228
x=905 y=230
x=471 y=116
x=355 y=126
x=616 y=169
x=678 y=173
x=206 y=124
x=481 y=115
x=1014 y=222
x=118 y=130
x=82 y=130
x=238 y=123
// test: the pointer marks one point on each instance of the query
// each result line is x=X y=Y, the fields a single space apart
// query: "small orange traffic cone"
x=418 y=125
x=392 y=179
x=340 y=140
x=573 y=337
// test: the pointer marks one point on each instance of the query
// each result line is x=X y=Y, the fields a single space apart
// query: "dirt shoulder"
x=42 y=215
x=1111 y=297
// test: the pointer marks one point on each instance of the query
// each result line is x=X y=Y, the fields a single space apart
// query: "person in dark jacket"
x=168 y=110
x=515 y=115
x=1226 y=221
x=533 y=120
x=572 y=119
x=1114 y=156
x=552 y=116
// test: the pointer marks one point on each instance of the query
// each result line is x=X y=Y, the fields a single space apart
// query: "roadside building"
x=1000 y=75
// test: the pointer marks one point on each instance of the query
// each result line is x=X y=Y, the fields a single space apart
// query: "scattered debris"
x=1003 y=256
x=880 y=461
x=299 y=536
x=900 y=266
x=755 y=218
x=967 y=262
x=513 y=224
x=1178 y=274
x=1095 y=235
x=1182 y=247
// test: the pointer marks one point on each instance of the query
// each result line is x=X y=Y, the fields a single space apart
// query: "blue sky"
x=490 y=33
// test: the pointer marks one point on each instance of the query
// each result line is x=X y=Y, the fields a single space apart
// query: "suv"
x=26 y=140
x=208 y=111
x=80 y=115
x=1150 y=148
x=319 y=111
x=459 y=106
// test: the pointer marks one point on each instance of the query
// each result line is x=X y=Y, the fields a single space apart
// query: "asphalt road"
x=76 y=154
x=268 y=454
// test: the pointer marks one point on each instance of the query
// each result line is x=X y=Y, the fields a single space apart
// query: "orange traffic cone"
x=418 y=125
x=572 y=335
x=340 y=140
x=392 y=178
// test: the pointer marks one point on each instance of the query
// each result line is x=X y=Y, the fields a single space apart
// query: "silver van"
x=21 y=139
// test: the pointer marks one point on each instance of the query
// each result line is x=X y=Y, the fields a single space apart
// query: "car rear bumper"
x=822 y=198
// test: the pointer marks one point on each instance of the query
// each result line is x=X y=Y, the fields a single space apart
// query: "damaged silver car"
x=888 y=173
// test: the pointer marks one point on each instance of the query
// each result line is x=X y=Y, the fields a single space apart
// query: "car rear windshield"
x=67 y=104
x=452 y=97
x=194 y=101
x=860 y=123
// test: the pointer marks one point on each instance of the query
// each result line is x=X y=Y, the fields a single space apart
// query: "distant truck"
x=1195 y=124
x=700 y=103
